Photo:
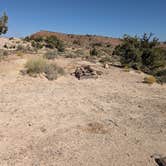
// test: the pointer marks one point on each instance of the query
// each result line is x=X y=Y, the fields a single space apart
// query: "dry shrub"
x=3 y=54
x=42 y=66
x=149 y=80
x=36 y=65
x=95 y=128
x=52 y=71
x=19 y=54
x=51 y=54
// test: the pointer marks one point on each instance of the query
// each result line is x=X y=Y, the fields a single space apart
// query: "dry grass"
x=95 y=128
x=36 y=65
x=19 y=54
x=52 y=71
x=42 y=66
x=51 y=54
x=149 y=80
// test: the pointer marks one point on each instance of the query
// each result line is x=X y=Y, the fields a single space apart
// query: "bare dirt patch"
x=112 y=120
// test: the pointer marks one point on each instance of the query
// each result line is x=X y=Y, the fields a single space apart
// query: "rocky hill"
x=82 y=40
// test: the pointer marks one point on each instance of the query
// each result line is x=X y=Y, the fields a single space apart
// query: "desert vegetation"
x=39 y=65
x=3 y=24
x=143 y=54
x=60 y=93
x=51 y=42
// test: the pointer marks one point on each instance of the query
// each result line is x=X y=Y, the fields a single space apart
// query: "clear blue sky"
x=102 y=17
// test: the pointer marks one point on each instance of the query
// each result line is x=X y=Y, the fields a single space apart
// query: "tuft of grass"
x=126 y=69
x=50 y=54
x=41 y=66
x=19 y=54
x=149 y=80
x=36 y=65
x=105 y=59
x=3 y=54
x=52 y=71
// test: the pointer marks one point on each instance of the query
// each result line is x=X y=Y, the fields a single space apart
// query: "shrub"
x=19 y=53
x=36 y=65
x=3 y=24
x=20 y=48
x=48 y=42
x=161 y=79
x=3 y=54
x=37 y=45
x=52 y=71
x=77 y=42
x=80 y=52
x=39 y=65
x=50 y=54
x=149 y=80
x=93 y=52
x=105 y=59
x=141 y=53
x=161 y=76
x=54 y=42
x=98 y=44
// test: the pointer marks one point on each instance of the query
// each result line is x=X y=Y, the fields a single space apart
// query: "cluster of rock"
x=13 y=43
x=86 y=72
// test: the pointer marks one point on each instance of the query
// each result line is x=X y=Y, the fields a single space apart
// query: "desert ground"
x=115 y=120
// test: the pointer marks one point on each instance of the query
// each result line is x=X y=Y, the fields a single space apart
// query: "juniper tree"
x=3 y=24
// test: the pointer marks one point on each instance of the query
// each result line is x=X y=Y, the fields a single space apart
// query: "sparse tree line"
x=143 y=54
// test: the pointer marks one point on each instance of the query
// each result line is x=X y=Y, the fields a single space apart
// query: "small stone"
x=106 y=66
x=43 y=130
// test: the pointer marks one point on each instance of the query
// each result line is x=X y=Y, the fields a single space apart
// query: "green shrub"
x=93 y=52
x=48 y=42
x=161 y=73
x=161 y=76
x=50 y=54
x=3 y=24
x=37 y=45
x=141 y=53
x=161 y=79
x=54 y=42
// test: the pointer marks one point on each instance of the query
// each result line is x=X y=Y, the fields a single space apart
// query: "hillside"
x=83 y=40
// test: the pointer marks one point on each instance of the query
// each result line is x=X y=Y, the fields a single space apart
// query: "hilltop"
x=83 y=40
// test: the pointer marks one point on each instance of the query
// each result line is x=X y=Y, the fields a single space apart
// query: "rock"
x=106 y=66
x=86 y=72
x=161 y=161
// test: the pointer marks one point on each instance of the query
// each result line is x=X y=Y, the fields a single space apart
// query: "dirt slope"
x=115 y=120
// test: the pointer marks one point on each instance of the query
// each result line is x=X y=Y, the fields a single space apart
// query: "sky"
x=112 y=18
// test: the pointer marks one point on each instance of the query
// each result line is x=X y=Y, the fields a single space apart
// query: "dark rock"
x=161 y=161
x=86 y=72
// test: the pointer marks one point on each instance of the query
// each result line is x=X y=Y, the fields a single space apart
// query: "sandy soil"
x=115 y=120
